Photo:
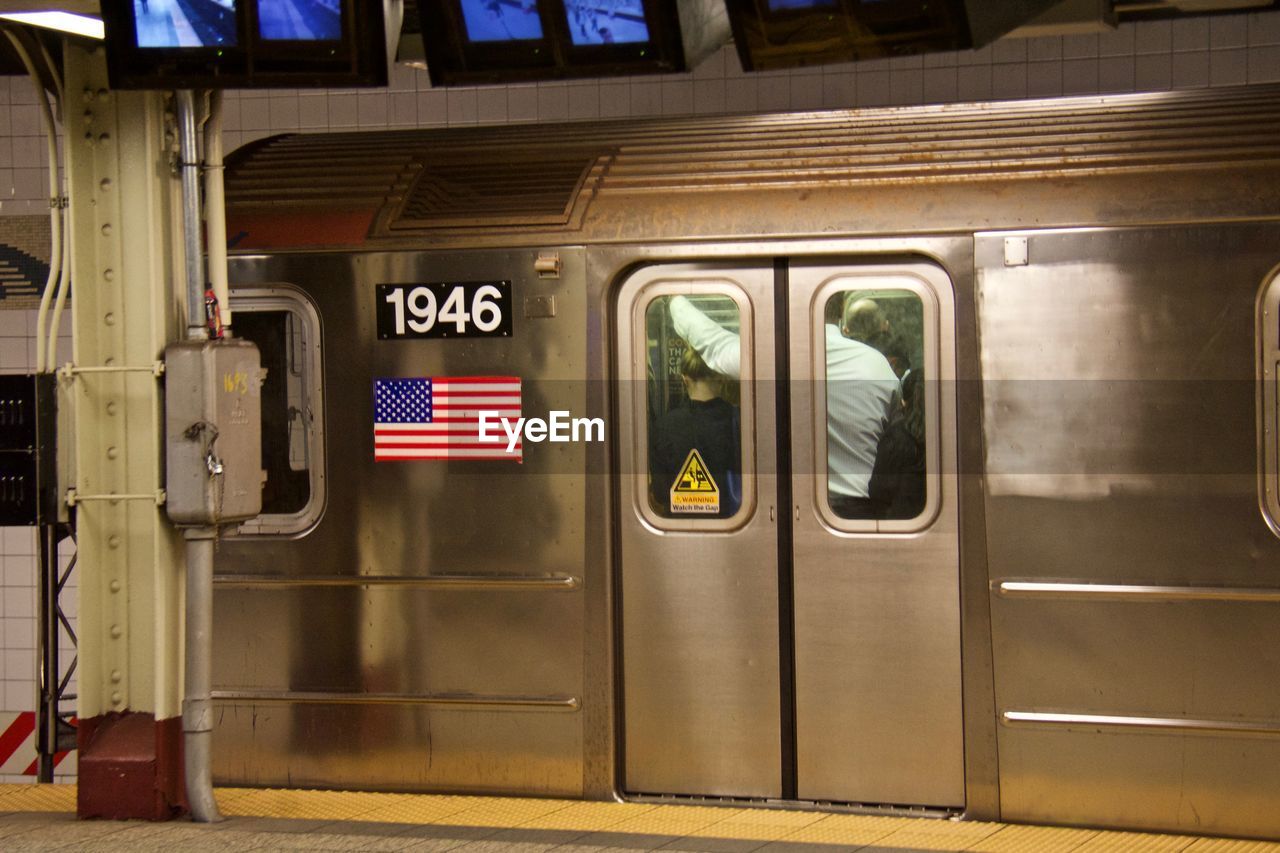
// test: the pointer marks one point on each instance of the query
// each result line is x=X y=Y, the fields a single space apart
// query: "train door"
x=790 y=618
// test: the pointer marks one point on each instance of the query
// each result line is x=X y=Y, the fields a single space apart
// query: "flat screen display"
x=501 y=20
x=788 y=5
x=185 y=23
x=607 y=21
x=300 y=20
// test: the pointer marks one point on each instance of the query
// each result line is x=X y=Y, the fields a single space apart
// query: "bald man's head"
x=863 y=320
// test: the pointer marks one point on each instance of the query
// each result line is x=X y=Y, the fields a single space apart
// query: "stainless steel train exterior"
x=1082 y=626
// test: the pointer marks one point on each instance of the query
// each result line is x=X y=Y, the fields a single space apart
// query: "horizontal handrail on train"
x=443 y=581
x=1132 y=592
x=1125 y=721
x=454 y=700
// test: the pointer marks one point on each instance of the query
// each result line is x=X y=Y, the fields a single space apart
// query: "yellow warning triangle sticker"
x=694 y=476
x=695 y=490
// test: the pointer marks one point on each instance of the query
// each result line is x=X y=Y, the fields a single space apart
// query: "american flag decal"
x=438 y=417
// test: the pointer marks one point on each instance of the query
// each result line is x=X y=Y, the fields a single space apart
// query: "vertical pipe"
x=197 y=707
x=55 y=212
x=64 y=287
x=189 y=155
x=215 y=208
x=47 y=732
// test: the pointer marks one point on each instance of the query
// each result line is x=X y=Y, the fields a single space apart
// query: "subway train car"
x=1077 y=620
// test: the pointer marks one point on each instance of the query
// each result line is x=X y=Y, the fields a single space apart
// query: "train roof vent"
x=479 y=188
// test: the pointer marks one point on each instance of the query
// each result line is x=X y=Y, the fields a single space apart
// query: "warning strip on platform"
x=731 y=824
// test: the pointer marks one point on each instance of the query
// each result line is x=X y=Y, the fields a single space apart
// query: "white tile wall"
x=18 y=568
x=1200 y=52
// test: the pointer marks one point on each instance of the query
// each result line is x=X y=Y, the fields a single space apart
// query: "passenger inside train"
x=862 y=392
x=897 y=487
x=872 y=339
x=695 y=448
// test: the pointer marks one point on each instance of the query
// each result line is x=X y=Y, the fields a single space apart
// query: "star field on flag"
x=432 y=418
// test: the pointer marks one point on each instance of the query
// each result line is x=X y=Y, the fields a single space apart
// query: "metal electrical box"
x=213 y=432
x=28 y=433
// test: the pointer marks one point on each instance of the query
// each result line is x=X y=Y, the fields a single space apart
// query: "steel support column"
x=126 y=240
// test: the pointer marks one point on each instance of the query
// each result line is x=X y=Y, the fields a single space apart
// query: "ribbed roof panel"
x=547 y=175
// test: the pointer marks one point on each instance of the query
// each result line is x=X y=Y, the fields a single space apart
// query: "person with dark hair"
x=897 y=486
x=707 y=423
x=897 y=352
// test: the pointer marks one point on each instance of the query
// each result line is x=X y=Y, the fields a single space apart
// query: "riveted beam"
x=125 y=250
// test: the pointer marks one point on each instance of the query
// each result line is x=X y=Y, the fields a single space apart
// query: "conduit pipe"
x=197 y=707
x=215 y=208
x=64 y=287
x=55 y=203
x=189 y=155
x=64 y=278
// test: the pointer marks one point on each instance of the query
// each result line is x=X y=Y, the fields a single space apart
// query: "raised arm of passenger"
x=719 y=347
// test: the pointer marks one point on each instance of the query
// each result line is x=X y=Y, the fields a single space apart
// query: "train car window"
x=1268 y=337
x=692 y=356
x=286 y=329
x=877 y=400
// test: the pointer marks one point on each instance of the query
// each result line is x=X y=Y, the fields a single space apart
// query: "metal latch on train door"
x=547 y=265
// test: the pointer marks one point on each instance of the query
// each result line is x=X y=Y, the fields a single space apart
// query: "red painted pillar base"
x=130 y=768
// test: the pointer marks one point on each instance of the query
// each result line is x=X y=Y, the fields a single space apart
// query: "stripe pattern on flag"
x=438 y=417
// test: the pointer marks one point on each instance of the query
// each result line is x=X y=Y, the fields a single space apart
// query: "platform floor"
x=42 y=817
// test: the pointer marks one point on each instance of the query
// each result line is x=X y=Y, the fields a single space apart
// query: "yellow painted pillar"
x=127 y=251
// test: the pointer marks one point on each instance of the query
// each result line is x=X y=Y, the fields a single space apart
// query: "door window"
x=1269 y=403
x=694 y=448
x=877 y=345
x=286 y=329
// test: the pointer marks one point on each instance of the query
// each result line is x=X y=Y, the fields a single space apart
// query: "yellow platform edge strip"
x=727 y=822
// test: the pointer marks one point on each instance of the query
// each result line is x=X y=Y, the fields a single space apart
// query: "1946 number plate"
x=469 y=309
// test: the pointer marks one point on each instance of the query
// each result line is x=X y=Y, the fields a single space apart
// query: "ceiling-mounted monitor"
x=788 y=33
x=167 y=25
x=784 y=5
x=287 y=20
x=209 y=44
x=594 y=22
x=498 y=41
x=493 y=20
